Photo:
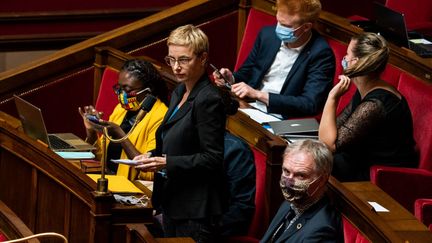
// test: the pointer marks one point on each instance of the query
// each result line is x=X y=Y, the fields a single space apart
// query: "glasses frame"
x=182 y=61
x=117 y=89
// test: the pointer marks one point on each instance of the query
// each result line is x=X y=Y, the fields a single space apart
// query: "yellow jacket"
x=143 y=136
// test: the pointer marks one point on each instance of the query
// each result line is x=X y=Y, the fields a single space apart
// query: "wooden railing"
x=137 y=34
x=57 y=25
x=11 y=225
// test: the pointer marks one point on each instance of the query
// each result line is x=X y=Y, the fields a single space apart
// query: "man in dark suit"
x=290 y=69
x=306 y=215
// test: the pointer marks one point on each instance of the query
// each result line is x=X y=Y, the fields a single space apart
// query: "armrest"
x=405 y=185
x=423 y=210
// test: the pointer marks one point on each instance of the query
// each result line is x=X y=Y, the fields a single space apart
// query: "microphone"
x=146 y=106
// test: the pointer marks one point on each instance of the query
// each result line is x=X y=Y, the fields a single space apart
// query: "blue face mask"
x=344 y=63
x=286 y=34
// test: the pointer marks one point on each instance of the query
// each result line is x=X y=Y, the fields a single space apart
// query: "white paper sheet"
x=420 y=41
x=378 y=207
x=125 y=161
x=259 y=116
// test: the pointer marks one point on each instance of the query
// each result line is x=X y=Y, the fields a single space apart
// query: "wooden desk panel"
x=49 y=194
x=398 y=218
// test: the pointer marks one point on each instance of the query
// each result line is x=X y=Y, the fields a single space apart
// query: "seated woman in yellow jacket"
x=137 y=78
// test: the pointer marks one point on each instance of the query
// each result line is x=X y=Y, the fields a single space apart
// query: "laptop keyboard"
x=421 y=51
x=57 y=143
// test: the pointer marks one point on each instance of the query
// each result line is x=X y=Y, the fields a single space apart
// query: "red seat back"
x=415 y=11
x=3 y=237
x=256 y=20
x=351 y=233
x=256 y=228
x=423 y=210
x=260 y=219
x=339 y=50
x=419 y=97
x=107 y=100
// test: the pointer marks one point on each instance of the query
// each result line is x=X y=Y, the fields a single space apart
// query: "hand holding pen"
x=220 y=77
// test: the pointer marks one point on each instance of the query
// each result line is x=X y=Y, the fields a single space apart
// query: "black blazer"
x=305 y=88
x=193 y=142
x=320 y=223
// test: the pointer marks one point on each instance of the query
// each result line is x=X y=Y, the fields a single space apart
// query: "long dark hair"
x=145 y=72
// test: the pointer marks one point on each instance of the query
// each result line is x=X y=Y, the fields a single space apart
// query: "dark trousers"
x=201 y=230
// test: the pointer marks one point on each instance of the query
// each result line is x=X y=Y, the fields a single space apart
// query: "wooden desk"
x=49 y=194
x=399 y=219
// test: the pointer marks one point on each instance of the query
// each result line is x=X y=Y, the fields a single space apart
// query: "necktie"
x=290 y=215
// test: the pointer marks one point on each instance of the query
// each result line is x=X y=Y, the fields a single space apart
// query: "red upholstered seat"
x=256 y=228
x=408 y=184
x=418 y=14
x=259 y=217
x=351 y=233
x=423 y=211
x=3 y=237
x=106 y=100
x=391 y=75
x=256 y=20
x=417 y=18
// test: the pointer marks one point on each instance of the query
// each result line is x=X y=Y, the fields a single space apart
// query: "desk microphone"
x=146 y=106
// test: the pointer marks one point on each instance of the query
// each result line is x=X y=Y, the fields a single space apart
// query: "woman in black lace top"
x=376 y=126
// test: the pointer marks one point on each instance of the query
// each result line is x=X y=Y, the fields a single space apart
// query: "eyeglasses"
x=182 y=61
x=118 y=90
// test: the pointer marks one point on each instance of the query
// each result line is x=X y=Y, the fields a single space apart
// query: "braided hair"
x=145 y=72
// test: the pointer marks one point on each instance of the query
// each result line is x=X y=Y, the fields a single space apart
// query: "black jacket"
x=192 y=141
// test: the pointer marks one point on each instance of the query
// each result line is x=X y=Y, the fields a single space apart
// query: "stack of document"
x=259 y=116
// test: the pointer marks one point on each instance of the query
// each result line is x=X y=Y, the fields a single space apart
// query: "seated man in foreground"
x=306 y=215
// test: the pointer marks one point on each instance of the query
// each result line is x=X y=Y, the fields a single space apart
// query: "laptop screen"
x=31 y=119
x=391 y=24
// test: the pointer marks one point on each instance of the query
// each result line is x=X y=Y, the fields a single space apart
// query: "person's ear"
x=308 y=26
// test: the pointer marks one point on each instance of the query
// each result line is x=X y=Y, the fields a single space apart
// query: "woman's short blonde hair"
x=308 y=10
x=191 y=36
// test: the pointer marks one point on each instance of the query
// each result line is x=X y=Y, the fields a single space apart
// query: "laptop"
x=34 y=126
x=391 y=24
x=296 y=128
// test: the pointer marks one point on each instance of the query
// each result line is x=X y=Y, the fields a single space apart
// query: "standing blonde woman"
x=190 y=144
